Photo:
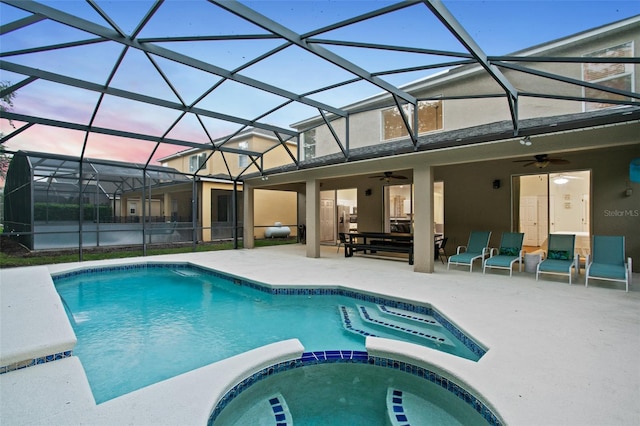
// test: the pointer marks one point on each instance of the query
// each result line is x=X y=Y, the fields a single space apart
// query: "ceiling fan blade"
x=558 y=161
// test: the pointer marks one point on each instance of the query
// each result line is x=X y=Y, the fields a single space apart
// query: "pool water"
x=140 y=326
x=348 y=394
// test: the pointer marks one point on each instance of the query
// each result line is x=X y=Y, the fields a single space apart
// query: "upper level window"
x=617 y=76
x=243 y=159
x=429 y=119
x=196 y=161
x=309 y=144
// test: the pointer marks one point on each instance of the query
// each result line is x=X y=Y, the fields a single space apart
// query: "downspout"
x=234 y=207
x=80 y=211
x=32 y=225
x=194 y=217
x=97 y=210
x=144 y=211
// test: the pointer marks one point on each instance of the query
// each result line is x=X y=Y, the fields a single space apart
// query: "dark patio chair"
x=439 y=251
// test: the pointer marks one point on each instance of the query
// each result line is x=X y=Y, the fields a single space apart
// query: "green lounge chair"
x=510 y=251
x=477 y=248
x=607 y=261
x=560 y=256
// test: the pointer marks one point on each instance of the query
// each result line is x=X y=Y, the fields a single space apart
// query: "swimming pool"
x=141 y=324
x=349 y=388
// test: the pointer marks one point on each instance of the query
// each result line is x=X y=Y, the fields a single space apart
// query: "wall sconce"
x=367 y=192
x=496 y=184
x=526 y=141
x=628 y=192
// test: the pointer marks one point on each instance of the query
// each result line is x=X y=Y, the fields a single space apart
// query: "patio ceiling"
x=141 y=80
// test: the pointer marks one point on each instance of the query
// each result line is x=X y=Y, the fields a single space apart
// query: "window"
x=309 y=144
x=197 y=161
x=617 y=76
x=243 y=159
x=429 y=119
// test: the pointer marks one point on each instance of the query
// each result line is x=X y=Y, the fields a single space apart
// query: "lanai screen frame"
x=470 y=55
x=111 y=179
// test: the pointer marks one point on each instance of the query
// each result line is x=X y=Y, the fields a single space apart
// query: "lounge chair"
x=510 y=252
x=561 y=257
x=607 y=261
x=476 y=248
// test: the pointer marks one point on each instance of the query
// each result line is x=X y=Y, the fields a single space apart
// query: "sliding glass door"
x=558 y=203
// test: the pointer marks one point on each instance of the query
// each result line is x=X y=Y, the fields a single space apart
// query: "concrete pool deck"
x=557 y=354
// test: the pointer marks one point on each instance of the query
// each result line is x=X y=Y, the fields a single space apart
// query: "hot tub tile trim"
x=357 y=357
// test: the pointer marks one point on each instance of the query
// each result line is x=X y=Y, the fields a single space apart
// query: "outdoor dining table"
x=373 y=242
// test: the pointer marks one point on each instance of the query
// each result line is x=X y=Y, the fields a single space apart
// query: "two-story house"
x=552 y=155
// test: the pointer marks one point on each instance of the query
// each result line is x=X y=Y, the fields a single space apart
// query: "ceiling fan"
x=542 y=160
x=387 y=176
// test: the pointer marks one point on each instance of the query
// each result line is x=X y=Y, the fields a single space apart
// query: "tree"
x=6 y=103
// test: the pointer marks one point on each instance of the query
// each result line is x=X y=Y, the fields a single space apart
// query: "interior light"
x=560 y=180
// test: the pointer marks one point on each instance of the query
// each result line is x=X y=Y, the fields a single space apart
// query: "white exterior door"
x=529 y=220
x=327 y=223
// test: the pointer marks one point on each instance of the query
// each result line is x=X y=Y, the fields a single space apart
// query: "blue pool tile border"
x=35 y=361
x=469 y=342
x=356 y=357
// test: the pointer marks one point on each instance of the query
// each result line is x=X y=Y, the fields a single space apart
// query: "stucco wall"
x=471 y=203
x=275 y=206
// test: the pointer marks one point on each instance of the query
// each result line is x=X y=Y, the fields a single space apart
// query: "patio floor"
x=557 y=354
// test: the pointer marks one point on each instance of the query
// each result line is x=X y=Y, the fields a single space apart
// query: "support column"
x=423 y=219
x=247 y=231
x=313 y=218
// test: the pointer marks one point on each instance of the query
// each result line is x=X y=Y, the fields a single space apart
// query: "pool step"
x=269 y=411
x=187 y=273
x=414 y=328
x=401 y=313
x=395 y=408
x=406 y=409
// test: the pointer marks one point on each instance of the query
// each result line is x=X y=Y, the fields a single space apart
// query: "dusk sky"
x=499 y=27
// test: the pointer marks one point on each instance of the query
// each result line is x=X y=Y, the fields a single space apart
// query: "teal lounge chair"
x=510 y=252
x=477 y=248
x=607 y=261
x=561 y=257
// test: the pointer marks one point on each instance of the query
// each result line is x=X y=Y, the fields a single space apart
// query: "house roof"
x=140 y=82
x=492 y=132
x=245 y=133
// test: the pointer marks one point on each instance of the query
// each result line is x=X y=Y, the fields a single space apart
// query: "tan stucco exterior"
x=270 y=206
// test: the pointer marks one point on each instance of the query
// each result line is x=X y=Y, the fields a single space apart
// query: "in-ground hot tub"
x=349 y=387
